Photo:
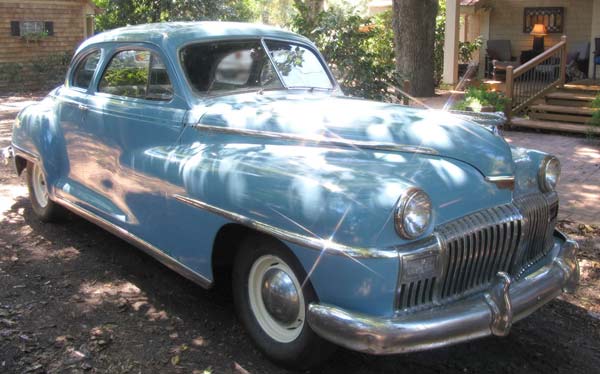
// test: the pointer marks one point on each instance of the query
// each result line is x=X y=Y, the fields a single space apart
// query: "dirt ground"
x=74 y=298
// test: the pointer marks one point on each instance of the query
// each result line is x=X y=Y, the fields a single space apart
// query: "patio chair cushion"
x=499 y=50
x=583 y=48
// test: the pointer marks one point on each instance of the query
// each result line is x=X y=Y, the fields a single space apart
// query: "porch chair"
x=580 y=53
x=500 y=53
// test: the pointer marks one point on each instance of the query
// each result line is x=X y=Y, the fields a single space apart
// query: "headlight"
x=549 y=174
x=413 y=213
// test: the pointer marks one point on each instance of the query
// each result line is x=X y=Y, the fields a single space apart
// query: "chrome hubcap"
x=280 y=296
x=40 y=190
x=276 y=299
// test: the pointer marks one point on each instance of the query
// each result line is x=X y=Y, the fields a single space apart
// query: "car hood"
x=360 y=122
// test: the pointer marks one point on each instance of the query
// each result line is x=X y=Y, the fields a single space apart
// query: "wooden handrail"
x=539 y=58
x=527 y=82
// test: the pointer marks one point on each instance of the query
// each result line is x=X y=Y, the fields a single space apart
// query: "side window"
x=82 y=77
x=138 y=74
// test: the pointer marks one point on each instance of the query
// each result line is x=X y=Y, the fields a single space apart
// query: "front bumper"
x=492 y=313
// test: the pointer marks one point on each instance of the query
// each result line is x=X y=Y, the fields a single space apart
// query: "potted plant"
x=34 y=36
x=465 y=54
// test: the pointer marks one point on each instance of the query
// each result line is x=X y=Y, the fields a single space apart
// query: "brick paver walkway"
x=579 y=186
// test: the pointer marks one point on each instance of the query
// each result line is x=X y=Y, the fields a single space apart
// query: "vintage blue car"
x=227 y=148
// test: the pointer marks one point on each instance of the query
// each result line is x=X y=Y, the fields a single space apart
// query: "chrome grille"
x=477 y=247
x=509 y=238
x=540 y=214
x=413 y=294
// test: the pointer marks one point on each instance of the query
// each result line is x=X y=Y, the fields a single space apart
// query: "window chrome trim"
x=268 y=53
x=318 y=139
x=300 y=239
x=314 y=51
x=74 y=64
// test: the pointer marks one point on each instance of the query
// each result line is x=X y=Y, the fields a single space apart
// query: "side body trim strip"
x=306 y=241
x=153 y=251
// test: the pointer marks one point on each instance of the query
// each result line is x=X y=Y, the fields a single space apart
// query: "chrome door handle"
x=82 y=107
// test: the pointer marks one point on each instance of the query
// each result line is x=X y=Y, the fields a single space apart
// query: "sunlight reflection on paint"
x=451 y=174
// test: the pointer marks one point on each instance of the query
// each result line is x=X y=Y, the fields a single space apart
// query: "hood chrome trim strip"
x=503 y=182
x=282 y=234
x=319 y=139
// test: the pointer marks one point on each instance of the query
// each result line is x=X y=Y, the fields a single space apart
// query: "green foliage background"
x=359 y=48
x=118 y=13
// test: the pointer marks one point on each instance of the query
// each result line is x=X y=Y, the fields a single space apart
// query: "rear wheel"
x=272 y=297
x=45 y=209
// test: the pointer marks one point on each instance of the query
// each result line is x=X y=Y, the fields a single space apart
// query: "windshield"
x=224 y=67
x=298 y=66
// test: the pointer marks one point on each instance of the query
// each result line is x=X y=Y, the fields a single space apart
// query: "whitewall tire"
x=271 y=296
x=44 y=209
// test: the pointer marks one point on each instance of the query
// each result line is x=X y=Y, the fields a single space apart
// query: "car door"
x=134 y=114
x=72 y=100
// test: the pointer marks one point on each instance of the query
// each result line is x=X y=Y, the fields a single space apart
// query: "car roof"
x=176 y=34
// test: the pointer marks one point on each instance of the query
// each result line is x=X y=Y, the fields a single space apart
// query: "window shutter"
x=49 y=28
x=15 y=28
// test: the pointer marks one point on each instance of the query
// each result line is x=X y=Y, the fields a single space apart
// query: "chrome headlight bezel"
x=401 y=213
x=546 y=183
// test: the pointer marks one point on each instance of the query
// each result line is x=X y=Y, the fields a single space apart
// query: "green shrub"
x=478 y=97
x=125 y=77
x=595 y=121
x=438 y=47
x=359 y=50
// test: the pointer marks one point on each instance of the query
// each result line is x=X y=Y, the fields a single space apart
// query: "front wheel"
x=271 y=297
x=45 y=209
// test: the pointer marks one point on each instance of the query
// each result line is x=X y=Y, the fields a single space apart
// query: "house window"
x=24 y=28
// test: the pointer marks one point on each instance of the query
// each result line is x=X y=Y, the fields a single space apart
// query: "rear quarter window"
x=84 y=71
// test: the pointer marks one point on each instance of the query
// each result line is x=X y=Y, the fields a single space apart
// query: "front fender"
x=333 y=193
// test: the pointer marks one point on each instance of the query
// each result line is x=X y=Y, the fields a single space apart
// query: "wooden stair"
x=567 y=110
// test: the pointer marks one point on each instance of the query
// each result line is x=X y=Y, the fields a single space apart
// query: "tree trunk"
x=314 y=7
x=413 y=22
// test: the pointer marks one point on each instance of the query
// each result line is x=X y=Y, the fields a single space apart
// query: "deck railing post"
x=509 y=91
x=563 y=60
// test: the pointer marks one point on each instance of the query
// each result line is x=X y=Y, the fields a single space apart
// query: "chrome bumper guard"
x=492 y=313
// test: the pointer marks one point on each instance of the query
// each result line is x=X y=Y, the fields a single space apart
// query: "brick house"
x=37 y=39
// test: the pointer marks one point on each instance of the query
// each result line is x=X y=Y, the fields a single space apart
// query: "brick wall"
x=37 y=62
x=506 y=22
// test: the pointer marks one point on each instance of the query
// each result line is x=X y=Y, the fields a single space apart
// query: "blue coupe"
x=228 y=151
